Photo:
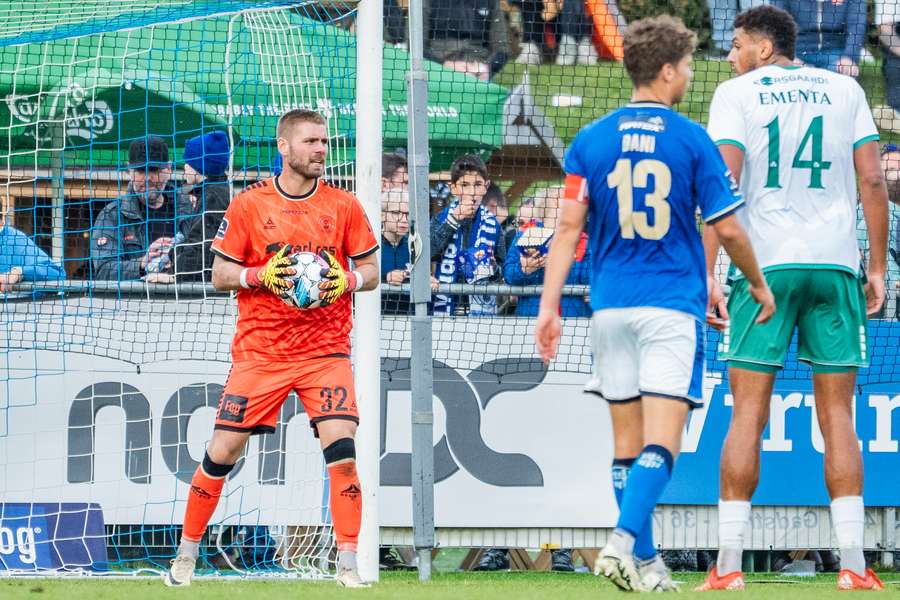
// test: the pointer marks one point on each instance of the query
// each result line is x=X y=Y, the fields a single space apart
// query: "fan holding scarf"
x=466 y=239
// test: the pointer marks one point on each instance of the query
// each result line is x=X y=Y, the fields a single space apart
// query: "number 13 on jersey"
x=624 y=179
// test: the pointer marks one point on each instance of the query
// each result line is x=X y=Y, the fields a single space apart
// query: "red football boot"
x=849 y=581
x=732 y=582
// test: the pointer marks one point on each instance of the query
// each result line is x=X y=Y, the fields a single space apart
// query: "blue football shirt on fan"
x=648 y=170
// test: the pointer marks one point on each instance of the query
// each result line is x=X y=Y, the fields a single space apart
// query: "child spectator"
x=466 y=239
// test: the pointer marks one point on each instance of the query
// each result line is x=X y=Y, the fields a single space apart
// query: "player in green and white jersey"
x=797 y=139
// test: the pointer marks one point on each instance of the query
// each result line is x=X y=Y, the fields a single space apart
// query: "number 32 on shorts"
x=333 y=399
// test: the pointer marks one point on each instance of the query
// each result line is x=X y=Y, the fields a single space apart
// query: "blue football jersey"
x=647 y=171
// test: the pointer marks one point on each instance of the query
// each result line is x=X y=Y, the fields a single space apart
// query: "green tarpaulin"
x=99 y=92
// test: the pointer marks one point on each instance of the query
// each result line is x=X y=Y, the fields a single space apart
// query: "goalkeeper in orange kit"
x=277 y=348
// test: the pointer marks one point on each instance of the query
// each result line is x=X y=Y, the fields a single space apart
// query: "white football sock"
x=734 y=515
x=347 y=560
x=189 y=548
x=848 y=515
x=622 y=541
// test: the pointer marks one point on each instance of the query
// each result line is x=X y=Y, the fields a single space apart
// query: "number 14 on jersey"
x=815 y=164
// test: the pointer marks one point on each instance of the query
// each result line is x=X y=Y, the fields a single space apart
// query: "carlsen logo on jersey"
x=314 y=248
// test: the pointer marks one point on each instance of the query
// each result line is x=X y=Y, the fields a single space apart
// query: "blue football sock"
x=620 y=468
x=646 y=481
x=644 y=548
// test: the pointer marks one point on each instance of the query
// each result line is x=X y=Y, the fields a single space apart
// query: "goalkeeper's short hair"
x=298 y=115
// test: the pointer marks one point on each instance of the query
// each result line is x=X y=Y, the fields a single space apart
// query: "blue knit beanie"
x=208 y=154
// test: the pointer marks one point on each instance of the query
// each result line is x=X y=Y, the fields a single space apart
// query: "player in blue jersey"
x=641 y=173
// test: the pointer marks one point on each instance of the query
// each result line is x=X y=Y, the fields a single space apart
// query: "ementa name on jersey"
x=794 y=97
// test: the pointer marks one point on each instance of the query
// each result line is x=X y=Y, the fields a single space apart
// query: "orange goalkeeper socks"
x=345 y=493
x=206 y=487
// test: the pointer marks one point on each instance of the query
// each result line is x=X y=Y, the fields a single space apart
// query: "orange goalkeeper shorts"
x=256 y=391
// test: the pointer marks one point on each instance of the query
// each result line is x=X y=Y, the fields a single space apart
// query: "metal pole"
x=57 y=186
x=421 y=384
x=889 y=536
x=366 y=347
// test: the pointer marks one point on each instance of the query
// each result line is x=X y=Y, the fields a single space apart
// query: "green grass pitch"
x=400 y=586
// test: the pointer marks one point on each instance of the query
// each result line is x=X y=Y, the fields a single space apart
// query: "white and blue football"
x=305 y=293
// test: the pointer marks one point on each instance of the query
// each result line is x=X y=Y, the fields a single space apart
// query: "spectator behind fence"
x=887 y=19
x=527 y=256
x=134 y=233
x=394 y=23
x=466 y=239
x=395 y=260
x=206 y=160
x=394 y=249
x=394 y=172
x=569 y=20
x=22 y=260
x=890 y=164
x=831 y=33
x=495 y=201
x=576 y=31
x=471 y=36
x=721 y=18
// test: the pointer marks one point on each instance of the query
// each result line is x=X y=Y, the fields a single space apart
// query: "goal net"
x=109 y=382
x=511 y=435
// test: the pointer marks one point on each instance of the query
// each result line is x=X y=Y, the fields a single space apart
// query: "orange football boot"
x=732 y=582
x=850 y=581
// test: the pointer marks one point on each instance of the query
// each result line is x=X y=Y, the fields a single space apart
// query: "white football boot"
x=619 y=568
x=656 y=576
x=181 y=572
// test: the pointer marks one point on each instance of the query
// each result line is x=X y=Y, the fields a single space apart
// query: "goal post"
x=367 y=324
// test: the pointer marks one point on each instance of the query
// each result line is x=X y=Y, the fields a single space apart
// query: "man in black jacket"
x=467 y=35
x=133 y=234
x=206 y=162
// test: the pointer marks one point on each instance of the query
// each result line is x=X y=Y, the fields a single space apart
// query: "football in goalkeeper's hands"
x=305 y=293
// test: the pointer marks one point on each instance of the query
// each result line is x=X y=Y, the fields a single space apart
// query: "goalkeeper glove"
x=272 y=275
x=336 y=281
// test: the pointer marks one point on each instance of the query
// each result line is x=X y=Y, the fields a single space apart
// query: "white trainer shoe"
x=348 y=572
x=618 y=568
x=349 y=578
x=656 y=576
x=181 y=572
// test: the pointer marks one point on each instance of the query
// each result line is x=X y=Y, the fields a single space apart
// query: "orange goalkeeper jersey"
x=257 y=223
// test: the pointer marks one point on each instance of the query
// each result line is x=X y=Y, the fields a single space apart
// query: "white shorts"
x=647 y=351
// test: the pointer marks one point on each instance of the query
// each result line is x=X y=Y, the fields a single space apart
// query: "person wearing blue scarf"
x=22 y=260
x=466 y=239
